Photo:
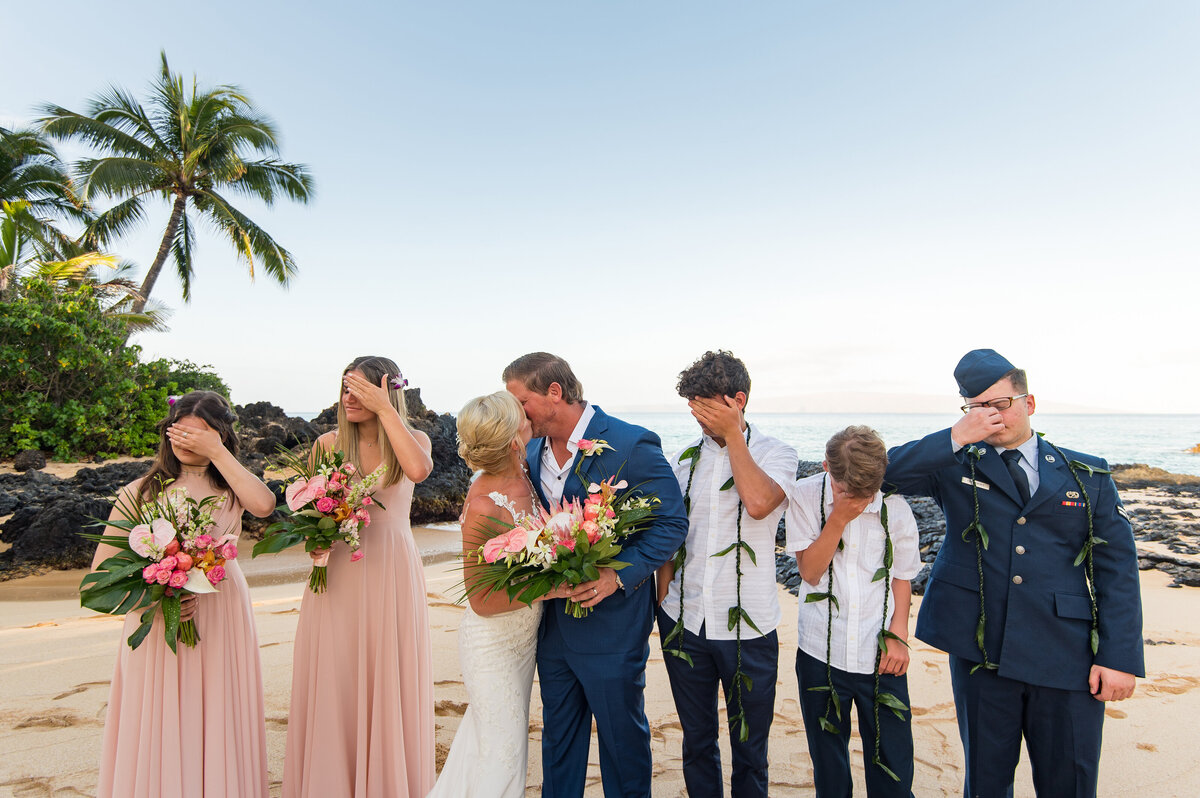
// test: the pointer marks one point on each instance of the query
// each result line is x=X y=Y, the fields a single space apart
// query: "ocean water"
x=1160 y=441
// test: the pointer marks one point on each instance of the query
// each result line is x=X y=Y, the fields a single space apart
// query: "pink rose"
x=150 y=572
x=357 y=555
x=585 y=445
x=178 y=579
x=349 y=468
x=494 y=548
x=163 y=576
x=336 y=476
x=229 y=551
x=325 y=504
x=168 y=562
x=593 y=531
x=203 y=542
x=171 y=548
x=591 y=511
x=367 y=501
x=362 y=515
x=216 y=574
x=184 y=561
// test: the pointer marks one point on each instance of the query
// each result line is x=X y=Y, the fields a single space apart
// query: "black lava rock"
x=29 y=459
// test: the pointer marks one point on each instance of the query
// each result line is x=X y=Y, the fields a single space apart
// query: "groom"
x=596 y=665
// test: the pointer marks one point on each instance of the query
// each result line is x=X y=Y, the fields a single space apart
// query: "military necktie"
x=1012 y=458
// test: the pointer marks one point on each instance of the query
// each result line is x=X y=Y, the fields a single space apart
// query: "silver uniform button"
x=1017 y=579
x=1021 y=520
x=1020 y=550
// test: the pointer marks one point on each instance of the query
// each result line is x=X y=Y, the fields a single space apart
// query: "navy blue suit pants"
x=831 y=752
x=694 y=688
x=1061 y=729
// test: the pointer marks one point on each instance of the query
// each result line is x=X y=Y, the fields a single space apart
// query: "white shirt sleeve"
x=780 y=465
x=906 y=539
x=803 y=517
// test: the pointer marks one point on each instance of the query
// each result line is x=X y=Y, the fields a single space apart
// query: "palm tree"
x=35 y=191
x=189 y=145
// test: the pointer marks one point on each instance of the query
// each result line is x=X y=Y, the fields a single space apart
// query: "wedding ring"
x=594 y=591
x=185 y=434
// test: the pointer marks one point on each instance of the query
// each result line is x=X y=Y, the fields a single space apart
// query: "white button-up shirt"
x=710 y=583
x=858 y=616
x=554 y=476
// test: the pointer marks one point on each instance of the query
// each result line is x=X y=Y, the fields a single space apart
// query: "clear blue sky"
x=847 y=195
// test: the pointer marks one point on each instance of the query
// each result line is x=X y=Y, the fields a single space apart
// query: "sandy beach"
x=56 y=660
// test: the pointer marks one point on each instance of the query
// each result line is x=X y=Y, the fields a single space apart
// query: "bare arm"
x=250 y=491
x=895 y=661
x=663 y=577
x=125 y=498
x=814 y=561
x=759 y=493
x=412 y=447
x=474 y=534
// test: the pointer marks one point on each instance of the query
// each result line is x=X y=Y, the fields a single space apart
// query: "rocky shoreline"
x=1164 y=510
x=45 y=513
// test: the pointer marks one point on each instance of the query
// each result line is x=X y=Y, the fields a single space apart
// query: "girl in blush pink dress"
x=191 y=724
x=361 y=720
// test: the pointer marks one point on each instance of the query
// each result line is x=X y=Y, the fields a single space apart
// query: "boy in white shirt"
x=853 y=638
x=719 y=604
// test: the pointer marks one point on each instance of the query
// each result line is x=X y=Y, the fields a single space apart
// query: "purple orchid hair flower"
x=171 y=400
x=398 y=382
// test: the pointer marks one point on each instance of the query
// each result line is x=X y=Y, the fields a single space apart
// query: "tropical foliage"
x=68 y=383
x=191 y=147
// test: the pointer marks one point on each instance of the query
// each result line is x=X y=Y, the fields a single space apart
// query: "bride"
x=497 y=640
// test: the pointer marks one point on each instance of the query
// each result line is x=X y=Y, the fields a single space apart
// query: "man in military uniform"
x=1034 y=593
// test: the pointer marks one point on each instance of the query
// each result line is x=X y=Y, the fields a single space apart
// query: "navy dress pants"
x=694 y=688
x=831 y=752
x=1061 y=729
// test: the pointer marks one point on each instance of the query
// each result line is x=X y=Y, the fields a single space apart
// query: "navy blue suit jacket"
x=624 y=619
x=1038 y=612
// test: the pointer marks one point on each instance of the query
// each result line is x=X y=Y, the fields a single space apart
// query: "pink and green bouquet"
x=567 y=544
x=324 y=504
x=171 y=547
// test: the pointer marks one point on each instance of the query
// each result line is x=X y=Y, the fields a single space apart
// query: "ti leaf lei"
x=975 y=530
x=736 y=613
x=834 y=702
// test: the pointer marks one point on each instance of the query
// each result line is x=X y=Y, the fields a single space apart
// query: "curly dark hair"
x=714 y=374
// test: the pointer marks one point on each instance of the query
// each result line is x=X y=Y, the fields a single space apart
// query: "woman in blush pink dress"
x=191 y=724
x=361 y=720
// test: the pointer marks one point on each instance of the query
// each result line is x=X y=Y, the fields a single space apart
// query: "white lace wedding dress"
x=497 y=655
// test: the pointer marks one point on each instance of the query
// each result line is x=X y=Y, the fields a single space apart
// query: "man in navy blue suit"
x=1034 y=593
x=595 y=666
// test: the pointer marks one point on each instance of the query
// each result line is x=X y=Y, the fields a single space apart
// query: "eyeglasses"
x=1002 y=403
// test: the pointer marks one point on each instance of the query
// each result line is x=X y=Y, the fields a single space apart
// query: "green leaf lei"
x=975 y=529
x=736 y=613
x=833 y=702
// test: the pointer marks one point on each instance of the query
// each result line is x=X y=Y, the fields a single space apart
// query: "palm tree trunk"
x=152 y=276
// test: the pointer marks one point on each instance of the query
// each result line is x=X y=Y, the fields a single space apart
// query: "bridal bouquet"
x=567 y=544
x=322 y=507
x=171 y=547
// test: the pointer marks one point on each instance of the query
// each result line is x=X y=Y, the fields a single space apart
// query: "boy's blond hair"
x=857 y=458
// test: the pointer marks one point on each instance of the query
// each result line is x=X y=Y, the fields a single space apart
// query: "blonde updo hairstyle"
x=487 y=425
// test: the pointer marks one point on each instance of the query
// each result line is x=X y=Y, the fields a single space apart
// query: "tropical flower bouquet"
x=171 y=547
x=567 y=544
x=322 y=507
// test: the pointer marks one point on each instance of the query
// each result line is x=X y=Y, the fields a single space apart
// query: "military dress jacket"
x=1039 y=615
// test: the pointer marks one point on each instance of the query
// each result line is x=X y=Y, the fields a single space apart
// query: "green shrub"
x=183 y=376
x=68 y=383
